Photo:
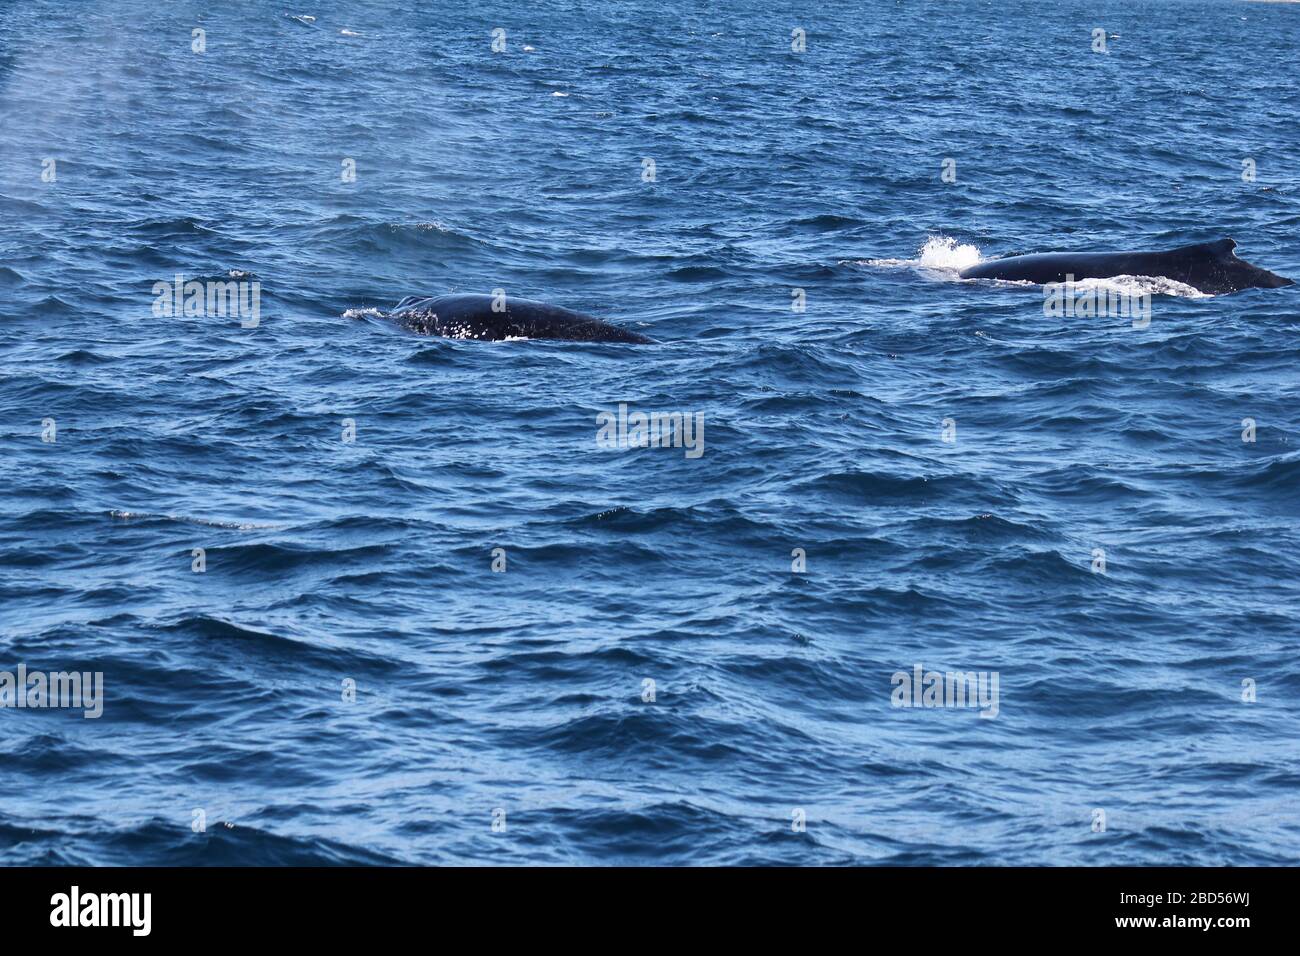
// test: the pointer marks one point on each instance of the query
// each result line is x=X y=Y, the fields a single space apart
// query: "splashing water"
x=941 y=253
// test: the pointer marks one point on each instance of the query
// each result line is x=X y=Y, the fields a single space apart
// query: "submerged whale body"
x=1209 y=267
x=494 y=319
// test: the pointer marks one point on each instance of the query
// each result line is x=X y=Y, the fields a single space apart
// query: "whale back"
x=1209 y=267
x=492 y=318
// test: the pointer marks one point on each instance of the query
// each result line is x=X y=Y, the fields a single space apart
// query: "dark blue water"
x=522 y=691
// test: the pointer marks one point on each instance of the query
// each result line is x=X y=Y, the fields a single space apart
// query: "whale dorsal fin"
x=1219 y=249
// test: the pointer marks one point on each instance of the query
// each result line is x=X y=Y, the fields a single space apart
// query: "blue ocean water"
x=503 y=716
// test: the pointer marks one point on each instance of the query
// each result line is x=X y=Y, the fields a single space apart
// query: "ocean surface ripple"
x=503 y=717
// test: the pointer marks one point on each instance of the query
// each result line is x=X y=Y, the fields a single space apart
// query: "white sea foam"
x=1140 y=285
x=192 y=519
x=363 y=314
x=425 y=226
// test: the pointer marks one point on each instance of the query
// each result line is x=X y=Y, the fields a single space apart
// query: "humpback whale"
x=1209 y=267
x=492 y=318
